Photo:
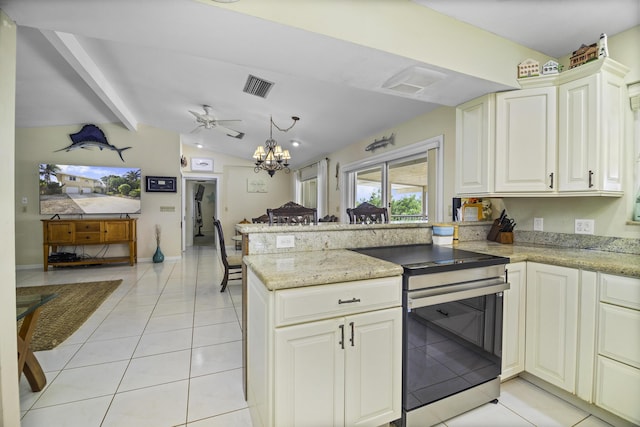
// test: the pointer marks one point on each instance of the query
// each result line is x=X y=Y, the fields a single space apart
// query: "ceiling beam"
x=72 y=51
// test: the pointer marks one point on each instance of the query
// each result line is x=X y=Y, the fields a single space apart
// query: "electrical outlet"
x=584 y=226
x=538 y=224
x=285 y=241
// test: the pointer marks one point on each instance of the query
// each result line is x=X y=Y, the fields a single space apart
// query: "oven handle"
x=442 y=294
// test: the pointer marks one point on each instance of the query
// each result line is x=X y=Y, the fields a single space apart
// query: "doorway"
x=200 y=207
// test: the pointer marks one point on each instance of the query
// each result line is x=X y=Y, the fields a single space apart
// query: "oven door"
x=452 y=340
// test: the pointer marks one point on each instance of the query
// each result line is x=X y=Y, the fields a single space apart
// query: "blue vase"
x=158 y=256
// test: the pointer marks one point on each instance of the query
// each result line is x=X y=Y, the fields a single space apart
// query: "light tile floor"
x=164 y=350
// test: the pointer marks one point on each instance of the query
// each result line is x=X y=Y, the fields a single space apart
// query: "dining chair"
x=292 y=213
x=232 y=263
x=366 y=213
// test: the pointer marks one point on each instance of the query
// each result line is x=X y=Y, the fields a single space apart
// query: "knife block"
x=505 y=237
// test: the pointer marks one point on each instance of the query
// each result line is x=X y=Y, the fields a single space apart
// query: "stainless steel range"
x=452 y=329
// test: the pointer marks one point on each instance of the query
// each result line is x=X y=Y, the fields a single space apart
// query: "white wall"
x=235 y=202
x=38 y=145
x=9 y=396
x=438 y=122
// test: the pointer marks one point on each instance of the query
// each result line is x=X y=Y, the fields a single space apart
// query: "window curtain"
x=323 y=185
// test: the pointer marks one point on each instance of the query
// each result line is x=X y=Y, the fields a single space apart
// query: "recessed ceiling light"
x=295 y=143
x=199 y=145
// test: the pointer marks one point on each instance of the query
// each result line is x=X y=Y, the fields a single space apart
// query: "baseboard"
x=575 y=401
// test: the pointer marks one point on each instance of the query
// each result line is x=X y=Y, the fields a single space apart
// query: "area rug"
x=63 y=315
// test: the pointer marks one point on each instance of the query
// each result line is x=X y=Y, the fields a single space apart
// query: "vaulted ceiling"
x=151 y=61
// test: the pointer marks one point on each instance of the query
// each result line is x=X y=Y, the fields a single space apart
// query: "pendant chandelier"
x=272 y=157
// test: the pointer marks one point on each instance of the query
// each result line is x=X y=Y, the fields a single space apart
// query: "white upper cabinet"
x=526 y=141
x=475 y=135
x=560 y=135
x=591 y=110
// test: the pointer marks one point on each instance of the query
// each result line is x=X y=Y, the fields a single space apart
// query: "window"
x=408 y=189
x=309 y=192
x=311 y=186
x=408 y=181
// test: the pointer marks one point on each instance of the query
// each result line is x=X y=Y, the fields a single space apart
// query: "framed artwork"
x=160 y=184
x=256 y=185
x=201 y=164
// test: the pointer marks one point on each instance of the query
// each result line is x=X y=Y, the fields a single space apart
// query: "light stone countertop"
x=586 y=259
x=298 y=269
x=325 y=226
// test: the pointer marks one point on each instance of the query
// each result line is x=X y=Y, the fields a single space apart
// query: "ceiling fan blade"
x=197 y=115
x=227 y=122
x=230 y=132
x=197 y=129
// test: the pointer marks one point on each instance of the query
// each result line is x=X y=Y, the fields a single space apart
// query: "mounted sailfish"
x=91 y=136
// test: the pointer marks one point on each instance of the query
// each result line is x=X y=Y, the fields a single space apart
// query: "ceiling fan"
x=208 y=121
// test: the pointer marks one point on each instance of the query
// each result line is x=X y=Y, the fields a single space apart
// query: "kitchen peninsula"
x=289 y=289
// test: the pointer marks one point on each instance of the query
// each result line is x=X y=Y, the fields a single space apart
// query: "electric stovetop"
x=426 y=259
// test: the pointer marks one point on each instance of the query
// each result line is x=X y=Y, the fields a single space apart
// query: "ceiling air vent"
x=257 y=86
x=413 y=80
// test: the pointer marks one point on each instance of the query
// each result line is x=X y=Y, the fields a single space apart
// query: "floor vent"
x=257 y=86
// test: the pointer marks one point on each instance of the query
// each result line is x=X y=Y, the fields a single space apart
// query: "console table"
x=80 y=232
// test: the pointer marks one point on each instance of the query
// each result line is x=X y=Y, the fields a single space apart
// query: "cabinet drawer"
x=620 y=290
x=619 y=335
x=327 y=301
x=618 y=388
x=88 y=226
x=87 y=238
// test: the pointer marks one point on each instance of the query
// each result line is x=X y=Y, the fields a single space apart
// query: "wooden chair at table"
x=292 y=213
x=232 y=263
x=366 y=213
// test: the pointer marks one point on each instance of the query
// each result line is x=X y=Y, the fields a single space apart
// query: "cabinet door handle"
x=551 y=177
x=348 y=301
x=590 y=179
x=352 y=340
x=341 y=343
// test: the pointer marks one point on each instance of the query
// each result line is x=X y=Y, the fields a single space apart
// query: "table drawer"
x=87 y=238
x=620 y=290
x=619 y=335
x=88 y=226
x=327 y=301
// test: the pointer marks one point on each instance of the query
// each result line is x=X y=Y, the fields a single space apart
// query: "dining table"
x=29 y=308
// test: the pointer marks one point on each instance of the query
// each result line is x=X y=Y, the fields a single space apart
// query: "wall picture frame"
x=257 y=185
x=160 y=184
x=201 y=164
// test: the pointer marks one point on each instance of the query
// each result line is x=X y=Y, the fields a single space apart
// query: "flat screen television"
x=83 y=189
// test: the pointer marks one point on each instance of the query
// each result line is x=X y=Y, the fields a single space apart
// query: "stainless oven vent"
x=257 y=86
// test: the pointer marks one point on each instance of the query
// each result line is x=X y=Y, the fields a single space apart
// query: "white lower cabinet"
x=338 y=371
x=618 y=369
x=342 y=366
x=552 y=324
x=513 y=325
